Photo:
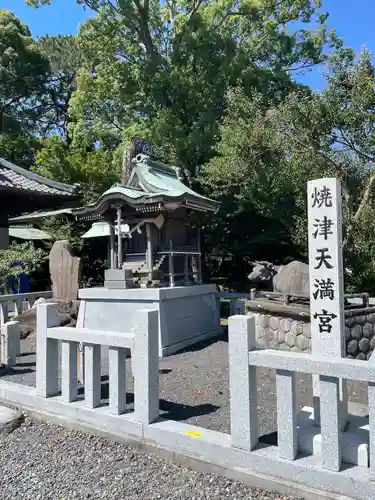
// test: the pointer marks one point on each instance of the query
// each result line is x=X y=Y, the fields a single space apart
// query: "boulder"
x=67 y=315
x=65 y=269
x=292 y=279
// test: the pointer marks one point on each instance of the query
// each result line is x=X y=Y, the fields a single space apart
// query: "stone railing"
x=289 y=464
x=10 y=343
x=178 y=249
x=19 y=302
x=330 y=443
x=142 y=341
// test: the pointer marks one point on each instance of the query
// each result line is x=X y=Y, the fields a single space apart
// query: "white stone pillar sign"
x=326 y=274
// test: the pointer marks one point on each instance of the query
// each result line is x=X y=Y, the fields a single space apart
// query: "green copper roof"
x=151 y=182
x=28 y=233
x=40 y=214
x=102 y=229
x=128 y=192
x=155 y=177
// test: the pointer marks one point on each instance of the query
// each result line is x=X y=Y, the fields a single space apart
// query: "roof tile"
x=16 y=177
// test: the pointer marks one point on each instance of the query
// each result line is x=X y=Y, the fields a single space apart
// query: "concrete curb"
x=251 y=479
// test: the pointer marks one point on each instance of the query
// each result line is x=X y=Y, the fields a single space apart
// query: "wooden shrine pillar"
x=119 y=238
x=200 y=278
x=149 y=259
x=171 y=265
x=112 y=245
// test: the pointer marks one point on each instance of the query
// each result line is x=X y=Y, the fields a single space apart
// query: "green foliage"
x=94 y=170
x=23 y=72
x=65 y=59
x=268 y=152
x=258 y=183
x=211 y=84
x=31 y=257
x=166 y=67
x=361 y=253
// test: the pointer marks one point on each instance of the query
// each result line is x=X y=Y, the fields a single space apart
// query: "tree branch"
x=144 y=31
x=325 y=156
x=194 y=9
x=365 y=197
x=362 y=205
x=350 y=144
x=304 y=66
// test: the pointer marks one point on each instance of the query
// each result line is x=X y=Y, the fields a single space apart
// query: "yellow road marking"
x=195 y=434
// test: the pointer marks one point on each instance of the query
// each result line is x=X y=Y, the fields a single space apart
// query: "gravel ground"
x=44 y=461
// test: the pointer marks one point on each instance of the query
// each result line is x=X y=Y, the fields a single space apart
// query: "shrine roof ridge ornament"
x=153 y=185
x=142 y=159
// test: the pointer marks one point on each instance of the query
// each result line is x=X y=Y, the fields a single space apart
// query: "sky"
x=353 y=21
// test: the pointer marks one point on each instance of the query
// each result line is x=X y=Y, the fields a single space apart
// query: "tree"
x=162 y=70
x=65 y=60
x=32 y=259
x=259 y=186
x=268 y=153
x=23 y=73
x=91 y=165
x=95 y=171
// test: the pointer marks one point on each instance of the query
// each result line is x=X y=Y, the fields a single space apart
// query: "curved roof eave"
x=114 y=195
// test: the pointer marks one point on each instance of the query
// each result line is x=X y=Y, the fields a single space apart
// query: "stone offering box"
x=286 y=326
x=187 y=314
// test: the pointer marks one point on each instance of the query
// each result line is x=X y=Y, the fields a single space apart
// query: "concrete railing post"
x=18 y=307
x=117 y=379
x=10 y=343
x=286 y=414
x=330 y=423
x=146 y=366
x=371 y=413
x=242 y=383
x=69 y=385
x=4 y=312
x=46 y=351
x=92 y=368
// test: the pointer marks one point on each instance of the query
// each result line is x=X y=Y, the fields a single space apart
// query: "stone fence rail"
x=19 y=302
x=285 y=465
x=142 y=341
x=243 y=361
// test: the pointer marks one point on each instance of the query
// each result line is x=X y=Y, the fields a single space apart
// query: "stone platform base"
x=187 y=314
x=355 y=438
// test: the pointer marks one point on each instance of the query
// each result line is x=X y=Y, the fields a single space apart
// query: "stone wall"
x=290 y=330
x=360 y=334
x=280 y=332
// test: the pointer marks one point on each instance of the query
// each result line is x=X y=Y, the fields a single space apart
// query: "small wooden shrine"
x=161 y=247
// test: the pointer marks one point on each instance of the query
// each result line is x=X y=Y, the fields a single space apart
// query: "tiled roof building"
x=22 y=191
